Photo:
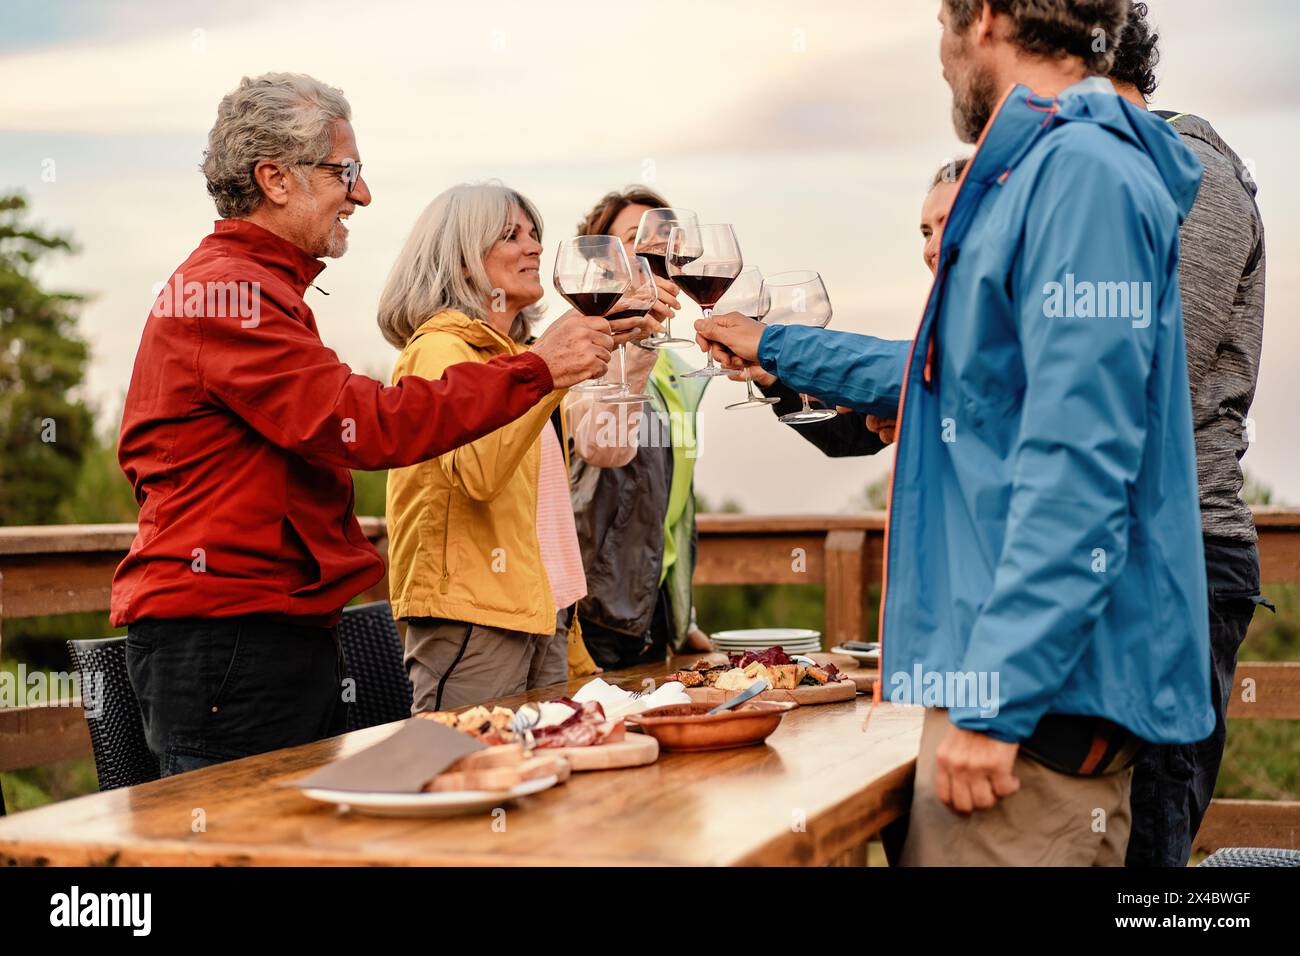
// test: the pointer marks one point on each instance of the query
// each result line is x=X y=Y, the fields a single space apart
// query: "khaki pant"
x=1054 y=819
x=453 y=664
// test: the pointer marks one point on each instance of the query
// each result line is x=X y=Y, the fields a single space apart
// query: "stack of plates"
x=793 y=640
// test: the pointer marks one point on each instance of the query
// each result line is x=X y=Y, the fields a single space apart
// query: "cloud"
x=812 y=127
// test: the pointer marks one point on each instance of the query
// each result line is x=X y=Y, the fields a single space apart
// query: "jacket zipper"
x=931 y=367
x=445 y=584
x=877 y=689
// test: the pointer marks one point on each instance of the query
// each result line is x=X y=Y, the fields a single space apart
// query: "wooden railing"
x=64 y=569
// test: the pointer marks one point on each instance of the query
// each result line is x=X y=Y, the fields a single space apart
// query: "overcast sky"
x=812 y=126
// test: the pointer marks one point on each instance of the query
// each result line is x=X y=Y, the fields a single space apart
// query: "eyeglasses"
x=349 y=171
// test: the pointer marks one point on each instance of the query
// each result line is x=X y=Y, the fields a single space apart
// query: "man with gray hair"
x=240 y=428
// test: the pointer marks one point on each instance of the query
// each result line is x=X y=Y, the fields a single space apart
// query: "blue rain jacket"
x=1044 y=543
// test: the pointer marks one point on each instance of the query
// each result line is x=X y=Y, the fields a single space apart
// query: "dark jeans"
x=215 y=689
x=1173 y=783
x=614 y=650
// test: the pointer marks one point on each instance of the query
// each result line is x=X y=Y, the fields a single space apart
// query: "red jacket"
x=239 y=432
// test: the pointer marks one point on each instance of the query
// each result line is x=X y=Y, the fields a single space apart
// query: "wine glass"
x=636 y=302
x=652 y=242
x=704 y=261
x=799 y=298
x=748 y=297
x=592 y=273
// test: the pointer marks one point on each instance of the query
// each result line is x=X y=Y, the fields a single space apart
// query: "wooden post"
x=846 y=587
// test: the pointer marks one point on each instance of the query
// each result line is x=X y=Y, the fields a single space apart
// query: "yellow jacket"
x=462 y=528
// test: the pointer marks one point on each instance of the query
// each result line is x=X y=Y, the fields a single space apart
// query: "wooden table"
x=821 y=787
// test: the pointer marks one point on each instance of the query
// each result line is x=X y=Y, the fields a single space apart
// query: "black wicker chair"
x=1252 y=856
x=122 y=756
x=372 y=654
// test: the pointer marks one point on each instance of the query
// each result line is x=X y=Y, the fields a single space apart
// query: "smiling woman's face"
x=625 y=225
x=934 y=216
x=513 y=265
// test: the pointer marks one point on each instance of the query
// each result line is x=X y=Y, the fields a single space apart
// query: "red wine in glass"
x=704 y=261
x=627 y=314
x=592 y=303
x=705 y=290
x=652 y=243
x=592 y=272
x=634 y=304
x=657 y=264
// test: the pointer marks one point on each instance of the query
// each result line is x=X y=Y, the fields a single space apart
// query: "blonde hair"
x=441 y=266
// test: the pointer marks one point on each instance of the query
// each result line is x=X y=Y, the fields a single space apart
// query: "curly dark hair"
x=1138 y=53
x=1054 y=28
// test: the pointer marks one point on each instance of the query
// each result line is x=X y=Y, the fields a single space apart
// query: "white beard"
x=335 y=246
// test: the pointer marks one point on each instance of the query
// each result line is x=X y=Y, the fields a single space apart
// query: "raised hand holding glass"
x=704 y=261
x=799 y=298
x=592 y=273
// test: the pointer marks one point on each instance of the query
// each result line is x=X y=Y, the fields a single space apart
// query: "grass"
x=1260 y=760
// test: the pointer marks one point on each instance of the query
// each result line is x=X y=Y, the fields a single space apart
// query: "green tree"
x=1254 y=491
x=44 y=429
x=874 y=497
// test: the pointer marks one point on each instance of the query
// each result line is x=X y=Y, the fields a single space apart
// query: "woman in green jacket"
x=634 y=500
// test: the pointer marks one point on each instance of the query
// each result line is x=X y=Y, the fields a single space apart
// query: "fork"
x=524 y=721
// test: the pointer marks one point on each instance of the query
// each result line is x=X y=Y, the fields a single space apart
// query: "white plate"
x=766 y=641
x=788 y=648
x=767 y=636
x=426 y=804
x=859 y=655
x=764 y=646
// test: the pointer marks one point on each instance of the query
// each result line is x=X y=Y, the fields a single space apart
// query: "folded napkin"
x=618 y=703
x=402 y=763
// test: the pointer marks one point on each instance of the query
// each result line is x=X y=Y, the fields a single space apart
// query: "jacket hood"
x=1094 y=100
x=476 y=333
x=1197 y=128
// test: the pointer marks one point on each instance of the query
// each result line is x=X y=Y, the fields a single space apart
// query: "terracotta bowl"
x=684 y=726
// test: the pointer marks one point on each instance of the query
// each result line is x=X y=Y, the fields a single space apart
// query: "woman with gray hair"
x=483 y=555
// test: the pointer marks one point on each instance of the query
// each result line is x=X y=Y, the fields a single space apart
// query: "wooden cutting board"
x=841 y=661
x=851 y=667
x=634 y=750
x=862 y=678
x=803 y=696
